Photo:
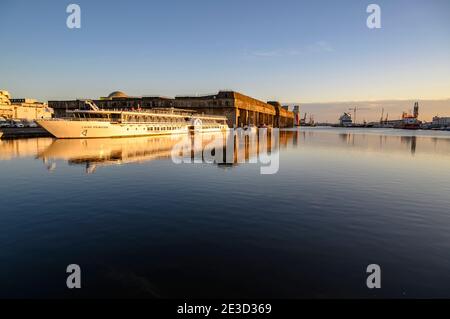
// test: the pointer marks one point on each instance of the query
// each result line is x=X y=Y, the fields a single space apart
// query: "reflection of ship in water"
x=103 y=152
x=95 y=153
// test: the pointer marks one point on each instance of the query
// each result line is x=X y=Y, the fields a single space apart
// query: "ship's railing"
x=161 y=112
x=218 y=117
x=172 y=111
x=210 y=117
x=79 y=119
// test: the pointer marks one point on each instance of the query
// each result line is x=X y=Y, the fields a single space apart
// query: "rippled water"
x=141 y=226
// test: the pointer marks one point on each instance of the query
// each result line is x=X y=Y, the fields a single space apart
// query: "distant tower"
x=416 y=109
x=297 y=115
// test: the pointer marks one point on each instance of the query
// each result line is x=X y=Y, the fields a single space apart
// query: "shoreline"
x=26 y=132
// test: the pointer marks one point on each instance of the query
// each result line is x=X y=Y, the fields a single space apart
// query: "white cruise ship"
x=95 y=123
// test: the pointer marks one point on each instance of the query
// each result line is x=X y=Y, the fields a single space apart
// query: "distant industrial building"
x=240 y=110
x=296 y=111
x=22 y=109
x=440 y=122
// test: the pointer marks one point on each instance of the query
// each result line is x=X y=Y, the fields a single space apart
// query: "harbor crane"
x=354 y=109
x=382 y=118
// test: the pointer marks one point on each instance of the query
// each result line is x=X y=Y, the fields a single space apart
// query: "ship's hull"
x=68 y=129
x=409 y=126
x=102 y=129
x=409 y=123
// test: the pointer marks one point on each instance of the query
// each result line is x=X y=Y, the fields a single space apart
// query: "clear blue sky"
x=292 y=51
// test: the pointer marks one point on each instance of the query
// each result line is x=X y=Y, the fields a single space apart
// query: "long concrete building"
x=239 y=109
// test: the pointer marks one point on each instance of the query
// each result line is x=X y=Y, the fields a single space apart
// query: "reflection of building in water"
x=288 y=138
x=18 y=148
x=23 y=109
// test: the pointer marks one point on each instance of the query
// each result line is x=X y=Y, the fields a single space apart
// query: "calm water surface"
x=141 y=226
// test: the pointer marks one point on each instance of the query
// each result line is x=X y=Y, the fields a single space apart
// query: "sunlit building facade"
x=22 y=109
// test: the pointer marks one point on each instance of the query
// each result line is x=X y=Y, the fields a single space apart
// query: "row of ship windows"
x=210 y=126
x=172 y=128
x=158 y=128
